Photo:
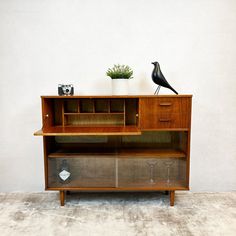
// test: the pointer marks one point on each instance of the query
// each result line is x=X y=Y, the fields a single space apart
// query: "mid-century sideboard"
x=116 y=143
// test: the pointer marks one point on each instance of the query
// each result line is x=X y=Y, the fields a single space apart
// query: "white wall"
x=46 y=42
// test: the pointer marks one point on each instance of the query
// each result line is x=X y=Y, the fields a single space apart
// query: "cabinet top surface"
x=117 y=96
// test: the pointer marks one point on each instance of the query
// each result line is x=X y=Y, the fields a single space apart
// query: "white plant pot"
x=120 y=86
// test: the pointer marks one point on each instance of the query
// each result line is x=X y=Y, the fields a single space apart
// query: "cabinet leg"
x=62 y=198
x=172 y=198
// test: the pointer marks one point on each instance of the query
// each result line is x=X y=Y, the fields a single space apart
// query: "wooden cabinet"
x=116 y=143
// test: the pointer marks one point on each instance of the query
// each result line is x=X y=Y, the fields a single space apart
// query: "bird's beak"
x=153 y=63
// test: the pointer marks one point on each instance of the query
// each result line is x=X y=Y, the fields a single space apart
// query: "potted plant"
x=120 y=74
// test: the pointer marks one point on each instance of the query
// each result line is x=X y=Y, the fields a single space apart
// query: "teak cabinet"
x=116 y=143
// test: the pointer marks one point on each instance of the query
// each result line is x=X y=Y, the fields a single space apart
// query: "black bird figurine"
x=159 y=79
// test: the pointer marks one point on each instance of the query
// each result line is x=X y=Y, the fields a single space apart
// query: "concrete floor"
x=118 y=214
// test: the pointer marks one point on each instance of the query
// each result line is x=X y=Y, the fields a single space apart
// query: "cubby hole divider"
x=109 y=110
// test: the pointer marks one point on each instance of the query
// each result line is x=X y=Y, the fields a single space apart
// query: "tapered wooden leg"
x=172 y=198
x=62 y=198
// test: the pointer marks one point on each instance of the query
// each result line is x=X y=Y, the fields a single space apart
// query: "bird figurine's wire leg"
x=157 y=90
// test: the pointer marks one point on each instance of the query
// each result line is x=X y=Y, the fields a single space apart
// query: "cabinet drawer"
x=82 y=171
x=171 y=120
x=161 y=113
x=176 y=105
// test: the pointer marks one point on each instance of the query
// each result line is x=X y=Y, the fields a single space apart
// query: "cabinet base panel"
x=118 y=189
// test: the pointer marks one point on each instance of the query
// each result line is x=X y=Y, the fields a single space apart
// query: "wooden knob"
x=164 y=120
x=165 y=104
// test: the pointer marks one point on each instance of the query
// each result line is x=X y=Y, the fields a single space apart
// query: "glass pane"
x=152 y=172
x=84 y=171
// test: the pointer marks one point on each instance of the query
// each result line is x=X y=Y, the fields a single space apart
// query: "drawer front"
x=169 y=120
x=83 y=171
x=164 y=113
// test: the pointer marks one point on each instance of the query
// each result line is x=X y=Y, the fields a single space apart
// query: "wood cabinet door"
x=165 y=113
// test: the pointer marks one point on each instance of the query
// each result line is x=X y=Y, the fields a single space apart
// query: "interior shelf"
x=94 y=119
x=121 y=153
x=97 y=113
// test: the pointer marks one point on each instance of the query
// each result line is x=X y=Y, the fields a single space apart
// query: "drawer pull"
x=165 y=104
x=164 y=120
